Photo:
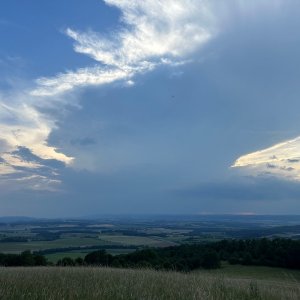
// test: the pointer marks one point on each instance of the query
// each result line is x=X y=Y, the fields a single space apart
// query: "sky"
x=149 y=107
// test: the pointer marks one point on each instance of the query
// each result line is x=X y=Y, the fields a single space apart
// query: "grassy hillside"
x=107 y=283
x=256 y=273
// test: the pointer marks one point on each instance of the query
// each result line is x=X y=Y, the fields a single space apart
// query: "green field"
x=79 y=241
x=41 y=245
x=136 y=240
x=113 y=284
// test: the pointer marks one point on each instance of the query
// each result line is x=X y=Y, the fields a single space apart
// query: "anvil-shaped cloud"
x=153 y=33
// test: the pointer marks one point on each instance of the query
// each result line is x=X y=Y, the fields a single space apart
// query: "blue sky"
x=122 y=106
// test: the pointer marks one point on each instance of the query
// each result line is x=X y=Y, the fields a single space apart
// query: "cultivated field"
x=41 y=245
x=106 y=283
x=59 y=238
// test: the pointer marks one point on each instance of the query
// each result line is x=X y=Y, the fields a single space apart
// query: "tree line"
x=181 y=258
x=283 y=253
x=261 y=252
x=26 y=259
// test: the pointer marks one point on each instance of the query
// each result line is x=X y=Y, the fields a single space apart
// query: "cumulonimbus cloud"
x=152 y=33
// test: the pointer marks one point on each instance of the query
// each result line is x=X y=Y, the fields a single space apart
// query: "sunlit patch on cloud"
x=6 y=169
x=24 y=129
x=281 y=160
x=21 y=168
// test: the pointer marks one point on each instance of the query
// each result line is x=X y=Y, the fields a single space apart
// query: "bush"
x=100 y=258
x=66 y=261
x=211 y=260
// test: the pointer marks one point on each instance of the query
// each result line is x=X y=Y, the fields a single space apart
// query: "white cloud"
x=154 y=29
x=281 y=160
x=6 y=169
x=88 y=76
x=17 y=161
x=39 y=183
x=29 y=182
x=154 y=33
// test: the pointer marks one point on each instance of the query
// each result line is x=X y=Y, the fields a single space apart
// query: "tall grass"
x=107 y=283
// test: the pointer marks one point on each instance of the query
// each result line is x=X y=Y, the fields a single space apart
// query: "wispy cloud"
x=154 y=33
x=281 y=160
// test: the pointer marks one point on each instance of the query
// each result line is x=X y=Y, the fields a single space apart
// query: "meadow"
x=112 y=284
